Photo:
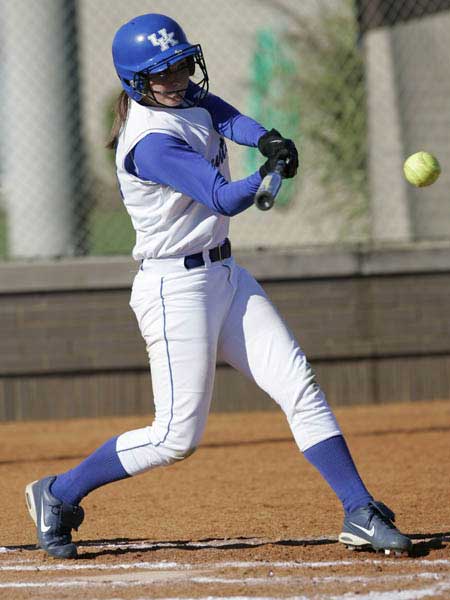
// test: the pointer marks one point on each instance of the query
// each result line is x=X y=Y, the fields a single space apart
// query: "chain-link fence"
x=358 y=85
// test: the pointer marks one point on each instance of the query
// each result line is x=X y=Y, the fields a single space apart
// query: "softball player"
x=192 y=302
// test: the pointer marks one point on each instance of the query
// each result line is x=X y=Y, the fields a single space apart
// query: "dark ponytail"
x=120 y=115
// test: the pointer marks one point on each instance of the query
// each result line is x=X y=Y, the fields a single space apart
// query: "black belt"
x=218 y=253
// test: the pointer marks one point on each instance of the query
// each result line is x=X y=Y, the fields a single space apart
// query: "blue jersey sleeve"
x=171 y=161
x=232 y=124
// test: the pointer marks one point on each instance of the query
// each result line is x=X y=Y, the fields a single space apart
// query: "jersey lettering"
x=221 y=154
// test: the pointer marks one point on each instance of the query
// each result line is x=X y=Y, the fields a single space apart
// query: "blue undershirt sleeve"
x=232 y=124
x=170 y=161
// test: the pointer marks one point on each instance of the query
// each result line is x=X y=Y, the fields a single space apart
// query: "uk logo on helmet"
x=165 y=41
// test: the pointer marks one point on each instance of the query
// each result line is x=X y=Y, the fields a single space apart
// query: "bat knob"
x=264 y=200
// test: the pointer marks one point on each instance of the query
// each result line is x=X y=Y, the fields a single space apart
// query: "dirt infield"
x=246 y=516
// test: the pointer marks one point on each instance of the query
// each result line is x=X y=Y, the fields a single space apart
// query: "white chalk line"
x=141 y=578
x=129 y=579
x=289 y=580
x=75 y=566
x=411 y=594
x=95 y=567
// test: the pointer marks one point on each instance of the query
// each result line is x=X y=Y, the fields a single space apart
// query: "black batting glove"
x=276 y=148
x=271 y=163
x=271 y=143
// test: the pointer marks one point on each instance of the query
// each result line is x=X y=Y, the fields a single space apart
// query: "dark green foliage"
x=325 y=89
x=331 y=85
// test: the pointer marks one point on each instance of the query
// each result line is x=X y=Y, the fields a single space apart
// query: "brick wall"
x=374 y=324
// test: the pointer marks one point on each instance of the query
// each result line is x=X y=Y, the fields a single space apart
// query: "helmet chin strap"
x=184 y=101
x=171 y=92
x=150 y=95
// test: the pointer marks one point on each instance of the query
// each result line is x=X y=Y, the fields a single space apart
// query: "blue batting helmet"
x=150 y=44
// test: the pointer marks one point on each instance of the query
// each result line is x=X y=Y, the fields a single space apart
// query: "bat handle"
x=269 y=187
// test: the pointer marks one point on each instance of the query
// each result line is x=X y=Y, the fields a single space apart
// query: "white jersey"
x=167 y=222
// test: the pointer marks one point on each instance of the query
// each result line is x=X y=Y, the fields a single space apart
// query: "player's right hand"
x=275 y=148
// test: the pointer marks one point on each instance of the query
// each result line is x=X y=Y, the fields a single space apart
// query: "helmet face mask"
x=194 y=63
x=152 y=44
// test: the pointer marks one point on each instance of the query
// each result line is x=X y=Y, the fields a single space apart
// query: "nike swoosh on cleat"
x=369 y=532
x=44 y=526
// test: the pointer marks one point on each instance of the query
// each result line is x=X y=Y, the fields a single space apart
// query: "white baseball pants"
x=188 y=319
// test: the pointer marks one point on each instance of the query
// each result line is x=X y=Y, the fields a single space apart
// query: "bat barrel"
x=269 y=188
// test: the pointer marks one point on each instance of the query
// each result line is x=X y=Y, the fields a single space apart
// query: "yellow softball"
x=421 y=169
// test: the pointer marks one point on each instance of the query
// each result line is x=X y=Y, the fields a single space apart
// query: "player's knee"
x=174 y=455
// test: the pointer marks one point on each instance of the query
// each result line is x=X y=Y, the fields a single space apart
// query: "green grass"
x=111 y=233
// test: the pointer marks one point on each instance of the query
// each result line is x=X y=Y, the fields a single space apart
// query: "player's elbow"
x=232 y=212
x=229 y=212
x=224 y=206
x=218 y=204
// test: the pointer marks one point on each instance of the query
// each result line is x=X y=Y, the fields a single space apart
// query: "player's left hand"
x=275 y=147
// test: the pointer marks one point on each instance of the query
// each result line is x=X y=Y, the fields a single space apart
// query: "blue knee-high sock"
x=101 y=467
x=333 y=460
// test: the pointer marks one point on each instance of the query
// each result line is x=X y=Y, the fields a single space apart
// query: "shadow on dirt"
x=380 y=432
x=423 y=544
x=428 y=542
x=119 y=547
